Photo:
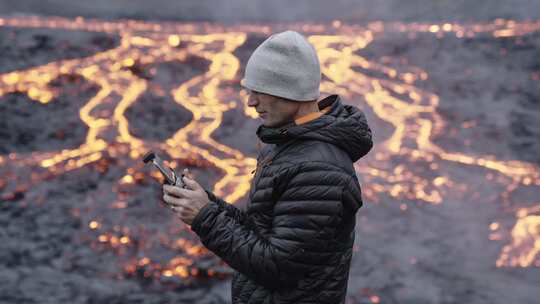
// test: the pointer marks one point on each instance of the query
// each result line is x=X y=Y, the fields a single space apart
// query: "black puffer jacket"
x=293 y=243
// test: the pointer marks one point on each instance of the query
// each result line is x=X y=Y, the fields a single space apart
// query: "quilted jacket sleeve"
x=229 y=209
x=306 y=215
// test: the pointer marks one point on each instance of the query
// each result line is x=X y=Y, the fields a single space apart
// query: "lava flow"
x=122 y=74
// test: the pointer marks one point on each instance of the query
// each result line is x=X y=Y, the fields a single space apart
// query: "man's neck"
x=307 y=108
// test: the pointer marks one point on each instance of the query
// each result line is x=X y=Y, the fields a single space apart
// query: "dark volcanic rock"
x=27 y=125
x=22 y=48
x=156 y=116
x=525 y=127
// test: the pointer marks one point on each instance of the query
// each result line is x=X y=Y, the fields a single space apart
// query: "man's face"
x=276 y=111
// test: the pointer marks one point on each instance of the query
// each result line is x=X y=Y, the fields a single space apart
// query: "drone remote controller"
x=168 y=173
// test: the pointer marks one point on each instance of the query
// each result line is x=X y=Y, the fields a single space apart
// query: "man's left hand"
x=186 y=202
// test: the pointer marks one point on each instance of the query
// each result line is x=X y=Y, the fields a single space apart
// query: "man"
x=293 y=243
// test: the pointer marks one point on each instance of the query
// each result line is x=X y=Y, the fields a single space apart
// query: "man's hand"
x=186 y=202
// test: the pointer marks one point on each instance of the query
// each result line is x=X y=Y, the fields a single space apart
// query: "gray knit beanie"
x=284 y=65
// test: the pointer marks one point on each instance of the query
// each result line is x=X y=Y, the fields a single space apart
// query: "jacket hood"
x=342 y=125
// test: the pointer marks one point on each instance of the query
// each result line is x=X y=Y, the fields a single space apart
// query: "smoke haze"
x=357 y=11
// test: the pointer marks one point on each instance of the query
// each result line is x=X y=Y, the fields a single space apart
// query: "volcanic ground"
x=454 y=219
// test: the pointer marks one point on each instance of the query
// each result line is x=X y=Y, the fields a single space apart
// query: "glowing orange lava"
x=413 y=114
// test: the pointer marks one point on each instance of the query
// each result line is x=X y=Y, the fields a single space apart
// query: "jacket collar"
x=340 y=124
x=301 y=125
